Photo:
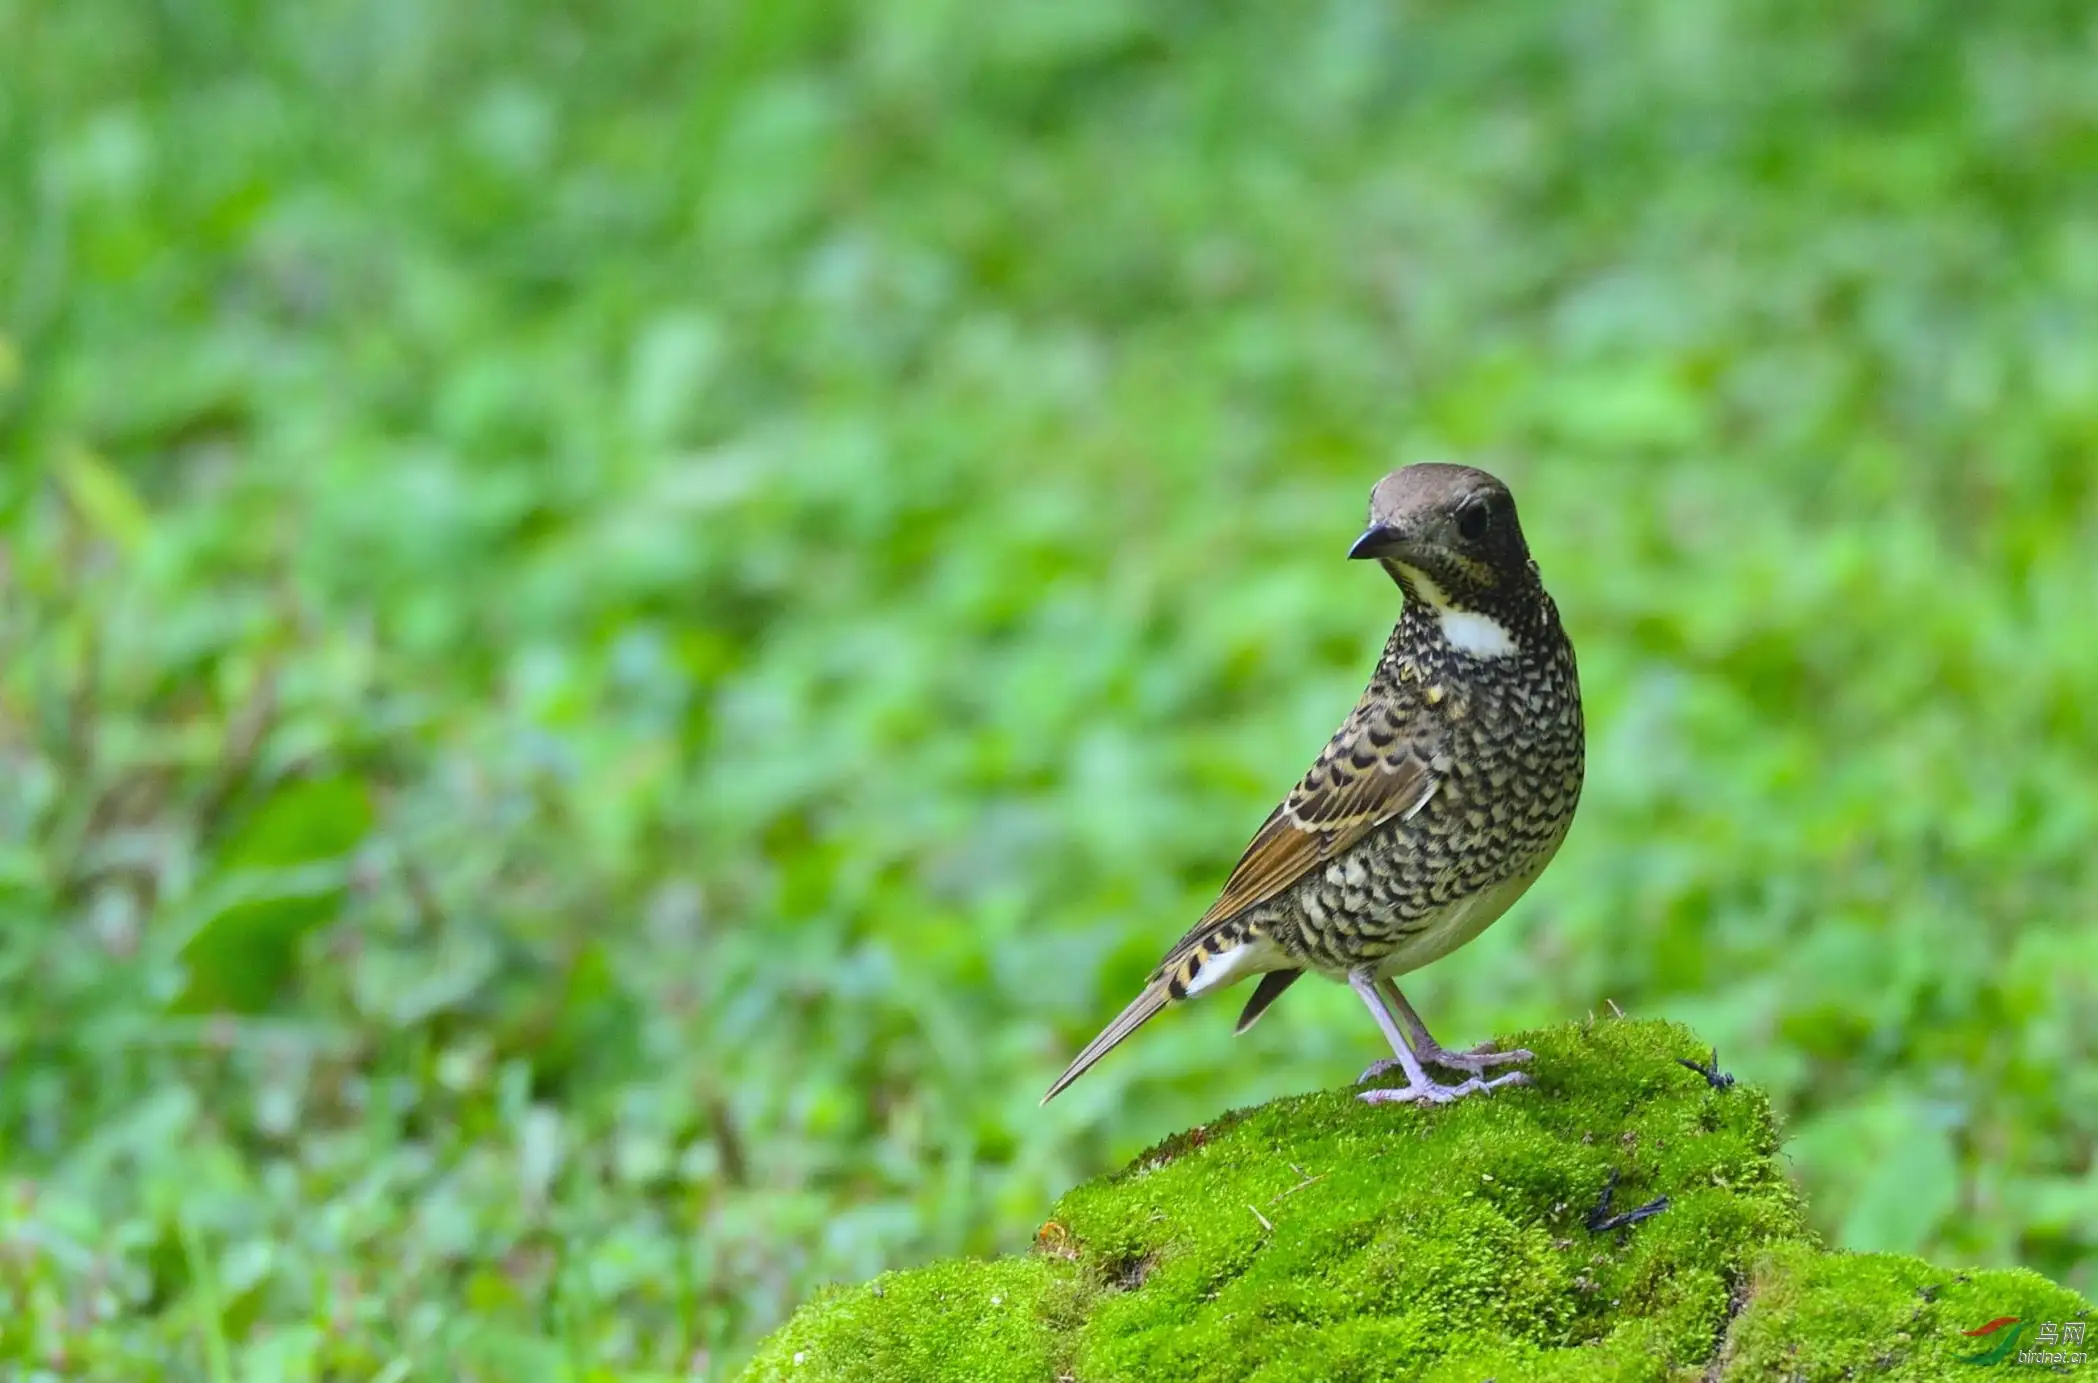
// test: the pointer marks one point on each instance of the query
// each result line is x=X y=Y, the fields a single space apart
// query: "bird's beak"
x=1378 y=540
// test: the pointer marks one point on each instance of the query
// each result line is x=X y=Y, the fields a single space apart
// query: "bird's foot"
x=1378 y=1068
x=1429 y=1092
x=1478 y=1061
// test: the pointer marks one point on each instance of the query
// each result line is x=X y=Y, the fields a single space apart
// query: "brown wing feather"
x=1368 y=775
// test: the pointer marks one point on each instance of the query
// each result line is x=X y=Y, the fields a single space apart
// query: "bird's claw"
x=1432 y=1093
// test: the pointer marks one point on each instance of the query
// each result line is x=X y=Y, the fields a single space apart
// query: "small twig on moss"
x=1601 y=1221
x=1714 y=1077
x=1262 y=1218
x=1308 y=1178
x=1615 y=1011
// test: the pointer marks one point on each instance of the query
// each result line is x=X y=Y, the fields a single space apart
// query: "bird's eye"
x=1473 y=520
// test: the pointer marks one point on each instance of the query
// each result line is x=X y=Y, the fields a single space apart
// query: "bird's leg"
x=1478 y=1061
x=1418 y=1086
x=1432 y=1053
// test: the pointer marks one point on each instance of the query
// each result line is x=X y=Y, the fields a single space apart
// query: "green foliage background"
x=621 y=627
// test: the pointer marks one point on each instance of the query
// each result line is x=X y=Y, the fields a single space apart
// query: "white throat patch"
x=1467 y=631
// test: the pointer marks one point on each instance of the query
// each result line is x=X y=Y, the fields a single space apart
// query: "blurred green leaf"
x=289 y=861
x=104 y=499
x=1912 y=1183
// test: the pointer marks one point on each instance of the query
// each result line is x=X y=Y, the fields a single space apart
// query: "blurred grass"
x=619 y=631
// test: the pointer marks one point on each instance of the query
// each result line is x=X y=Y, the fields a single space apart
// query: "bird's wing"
x=1371 y=773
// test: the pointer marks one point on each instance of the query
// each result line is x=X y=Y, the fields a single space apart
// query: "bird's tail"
x=1271 y=986
x=1142 y=1008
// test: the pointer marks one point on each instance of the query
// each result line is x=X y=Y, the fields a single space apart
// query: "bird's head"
x=1449 y=536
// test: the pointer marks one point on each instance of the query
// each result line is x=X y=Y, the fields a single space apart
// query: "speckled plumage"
x=1439 y=800
x=1500 y=743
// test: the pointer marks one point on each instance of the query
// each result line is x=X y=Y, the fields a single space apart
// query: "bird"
x=1439 y=801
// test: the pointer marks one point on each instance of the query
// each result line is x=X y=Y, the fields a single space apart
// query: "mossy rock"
x=1319 y=1238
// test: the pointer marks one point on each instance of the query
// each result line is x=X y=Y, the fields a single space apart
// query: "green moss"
x=959 y=1319
x=1320 y=1238
x=1813 y=1315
